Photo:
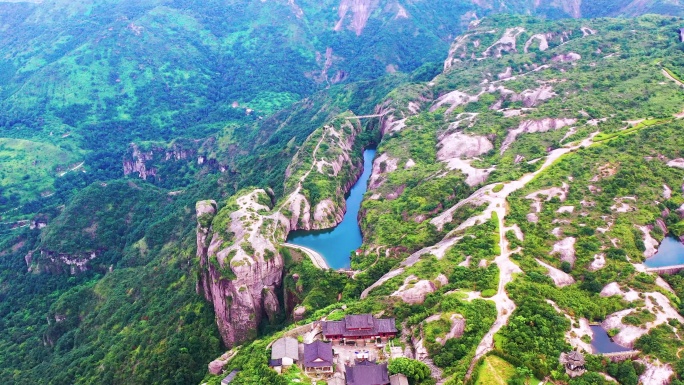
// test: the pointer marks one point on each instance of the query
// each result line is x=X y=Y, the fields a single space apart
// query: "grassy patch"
x=646 y=123
x=496 y=371
x=28 y=168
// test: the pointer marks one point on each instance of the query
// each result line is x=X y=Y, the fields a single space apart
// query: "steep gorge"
x=241 y=267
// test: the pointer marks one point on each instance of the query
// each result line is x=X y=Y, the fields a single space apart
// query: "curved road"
x=667 y=75
x=315 y=256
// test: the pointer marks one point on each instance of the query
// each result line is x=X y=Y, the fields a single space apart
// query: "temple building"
x=318 y=359
x=360 y=327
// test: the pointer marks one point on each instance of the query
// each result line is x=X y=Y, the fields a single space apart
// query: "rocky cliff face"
x=136 y=161
x=57 y=263
x=146 y=162
x=321 y=172
x=241 y=269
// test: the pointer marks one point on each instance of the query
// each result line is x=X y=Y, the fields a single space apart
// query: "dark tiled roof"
x=359 y=321
x=318 y=354
x=576 y=357
x=333 y=328
x=229 y=378
x=274 y=363
x=386 y=325
x=367 y=373
x=360 y=325
x=285 y=347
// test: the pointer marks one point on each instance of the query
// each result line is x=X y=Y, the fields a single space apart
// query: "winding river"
x=336 y=244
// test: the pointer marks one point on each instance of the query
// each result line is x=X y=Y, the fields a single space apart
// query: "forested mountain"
x=528 y=154
x=90 y=77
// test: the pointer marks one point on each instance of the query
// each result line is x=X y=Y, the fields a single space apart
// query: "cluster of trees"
x=535 y=336
x=416 y=371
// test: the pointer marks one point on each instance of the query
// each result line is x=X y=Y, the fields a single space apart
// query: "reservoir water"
x=670 y=252
x=336 y=244
x=602 y=342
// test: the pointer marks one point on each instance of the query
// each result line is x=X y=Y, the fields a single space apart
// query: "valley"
x=507 y=231
x=493 y=191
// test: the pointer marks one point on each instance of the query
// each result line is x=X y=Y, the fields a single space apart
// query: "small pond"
x=670 y=252
x=336 y=244
x=602 y=342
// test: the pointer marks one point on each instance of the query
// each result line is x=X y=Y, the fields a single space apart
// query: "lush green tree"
x=414 y=370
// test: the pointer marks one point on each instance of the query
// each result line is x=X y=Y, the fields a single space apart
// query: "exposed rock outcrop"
x=560 y=278
x=144 y=162
x=414 y=291
x=298 y=313
x=678 y=163
x=541 y=38
x=656 y=303
x=531 y=126
x=655 y=373
x=650 y=244
x=216 y=366
x=506 y=43
x=458 y=145
x=55 y=263
x=381 y=165
x=135 y=163
x=598 y=263
x=240 y=267
x=326 y=155
x=360 y=9
x=567 y=58
x=566 y=250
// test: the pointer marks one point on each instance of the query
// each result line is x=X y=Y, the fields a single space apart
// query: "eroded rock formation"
x=240 y=267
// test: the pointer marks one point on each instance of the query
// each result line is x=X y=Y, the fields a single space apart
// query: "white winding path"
x=61 y=174
x=667 y=75
x=504 y=305
x=316 y=258
x=497 y=203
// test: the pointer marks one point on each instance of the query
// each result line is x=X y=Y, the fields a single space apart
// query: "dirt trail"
x=306 y=174
x=316 y=258
x=61 y=174
x=667 y=75
x=497 y=203
x=504 y=305
x=277 y=213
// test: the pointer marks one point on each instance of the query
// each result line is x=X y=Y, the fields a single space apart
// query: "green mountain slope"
x=81 y=81
x=108 y=73
x=533 y=175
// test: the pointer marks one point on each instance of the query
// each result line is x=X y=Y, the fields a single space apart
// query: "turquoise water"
x=602 y=342
x=336 y=244
x=670 y=252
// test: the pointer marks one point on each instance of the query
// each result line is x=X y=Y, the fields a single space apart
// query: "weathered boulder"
x=298 y=313
x=216 y=366
x=413 y=292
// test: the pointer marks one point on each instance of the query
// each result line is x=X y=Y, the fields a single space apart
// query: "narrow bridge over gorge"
x=367 y=116
x=674 y=269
